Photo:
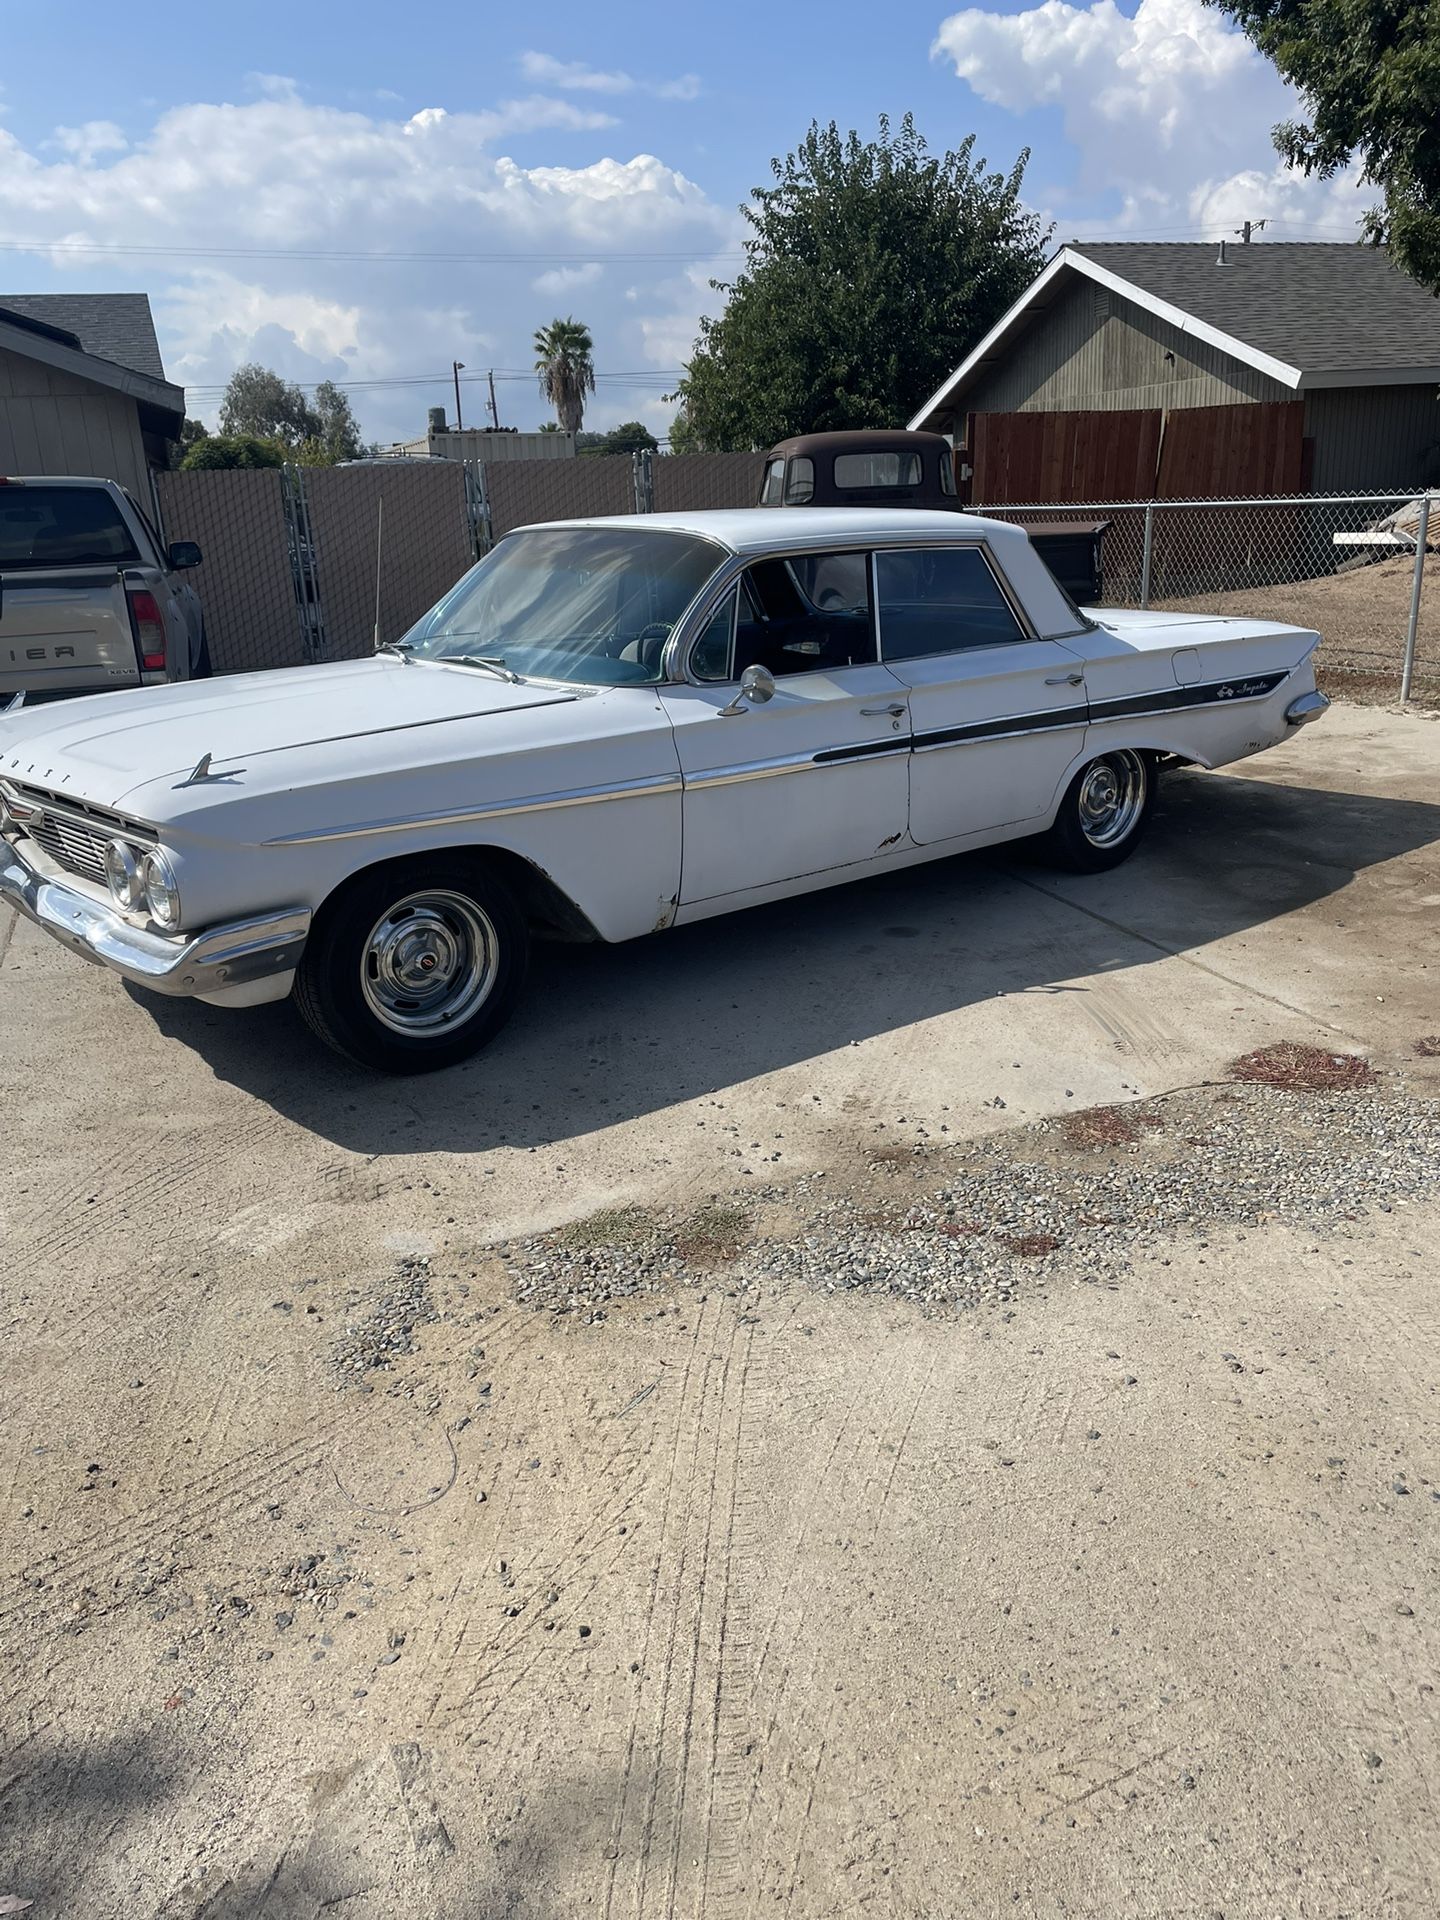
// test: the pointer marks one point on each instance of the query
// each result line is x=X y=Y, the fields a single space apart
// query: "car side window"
x=774 y=487
x=940 y=600
x=809 y=613
x=712 y=655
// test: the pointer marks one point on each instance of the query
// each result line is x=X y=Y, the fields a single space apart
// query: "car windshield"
x=589 y=605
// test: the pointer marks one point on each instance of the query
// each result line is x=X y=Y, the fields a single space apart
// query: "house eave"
x=1069 y=260
x=157 y=397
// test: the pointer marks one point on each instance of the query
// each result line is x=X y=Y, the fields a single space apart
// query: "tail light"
x=149 y=629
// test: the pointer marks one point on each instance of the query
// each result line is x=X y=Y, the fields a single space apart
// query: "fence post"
x=1407 y=673
x=477 y=507
x=303 y=561
x=644 y=481
x=1145 y=555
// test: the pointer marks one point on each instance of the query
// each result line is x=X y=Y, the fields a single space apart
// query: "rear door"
x=64 y=620
x=997 y=713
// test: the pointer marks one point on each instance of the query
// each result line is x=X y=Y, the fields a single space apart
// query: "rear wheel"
x=1104 y=814
x=416 y=965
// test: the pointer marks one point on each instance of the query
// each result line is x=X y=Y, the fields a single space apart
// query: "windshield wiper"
x=401 y=648
x=491 y=662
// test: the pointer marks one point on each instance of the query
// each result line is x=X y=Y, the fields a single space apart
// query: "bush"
x=218 y=450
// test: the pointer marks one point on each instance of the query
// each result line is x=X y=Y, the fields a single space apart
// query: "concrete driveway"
x=336 y=1579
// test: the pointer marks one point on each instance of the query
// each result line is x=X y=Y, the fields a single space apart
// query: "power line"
x=355 y=255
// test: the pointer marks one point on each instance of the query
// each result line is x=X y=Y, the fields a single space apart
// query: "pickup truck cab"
x=899 y=467
x=90 y=599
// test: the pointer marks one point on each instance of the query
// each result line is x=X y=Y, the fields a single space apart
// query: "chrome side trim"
x=538 y=803
x=752 y=770
x=208 y=962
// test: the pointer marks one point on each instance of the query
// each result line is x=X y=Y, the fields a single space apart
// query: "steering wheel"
x=650 y=644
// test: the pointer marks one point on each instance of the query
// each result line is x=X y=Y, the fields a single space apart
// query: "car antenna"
x=379 y=535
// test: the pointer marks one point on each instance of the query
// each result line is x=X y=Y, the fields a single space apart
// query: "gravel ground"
x=1077 y=1198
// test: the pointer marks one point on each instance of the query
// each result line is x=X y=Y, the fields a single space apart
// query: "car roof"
x=764 y=529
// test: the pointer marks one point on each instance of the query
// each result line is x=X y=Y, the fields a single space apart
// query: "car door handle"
x=894 y=710
x=1066 y=680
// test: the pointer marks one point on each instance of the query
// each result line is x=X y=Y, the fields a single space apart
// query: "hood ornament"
x=201 y=772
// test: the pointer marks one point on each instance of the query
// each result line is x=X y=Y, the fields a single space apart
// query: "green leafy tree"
x=565 y=363
x=631 y=436
x=192 y=432
x=872 y=267
x=319 y=433
x=218 y=450
x=1368 y=75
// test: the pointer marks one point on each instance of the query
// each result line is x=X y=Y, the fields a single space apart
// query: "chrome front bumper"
x=219 y=959
x=1308 y=707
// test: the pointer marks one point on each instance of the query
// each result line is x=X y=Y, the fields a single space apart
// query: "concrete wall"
x=1094 y=350
x=53 y=422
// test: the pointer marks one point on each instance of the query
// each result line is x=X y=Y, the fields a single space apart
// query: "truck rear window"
x=62 y=527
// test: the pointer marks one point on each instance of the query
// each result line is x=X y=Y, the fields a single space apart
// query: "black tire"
x=200 y=668
x=415 y=965
x=1104 y=814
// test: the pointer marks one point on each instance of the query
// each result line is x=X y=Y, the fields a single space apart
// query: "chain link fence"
x=1352 y=567
x=309 y=564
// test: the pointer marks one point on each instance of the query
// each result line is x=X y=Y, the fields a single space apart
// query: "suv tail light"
x=149 y=629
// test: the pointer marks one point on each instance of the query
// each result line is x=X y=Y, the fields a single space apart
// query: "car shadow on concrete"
x=608 y=1033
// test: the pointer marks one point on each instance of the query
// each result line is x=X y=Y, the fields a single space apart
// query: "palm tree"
x=566 y=368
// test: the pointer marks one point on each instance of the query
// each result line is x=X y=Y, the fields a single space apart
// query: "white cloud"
x=85 y=142
x=573 y=75
x=567 y=279
x=1169 y=112
x=327 y=188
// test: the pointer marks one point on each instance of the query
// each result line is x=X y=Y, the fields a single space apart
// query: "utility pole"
x=457 y=367
x=494 y=410
x=1243 y=233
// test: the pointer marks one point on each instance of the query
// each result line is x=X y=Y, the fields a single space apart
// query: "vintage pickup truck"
x=90 y=599
x=608 y=728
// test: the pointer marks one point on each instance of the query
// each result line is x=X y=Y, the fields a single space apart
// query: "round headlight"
x=162 y=895
x=122 y=871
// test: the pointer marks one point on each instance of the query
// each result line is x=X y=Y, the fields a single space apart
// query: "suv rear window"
x=62 y=527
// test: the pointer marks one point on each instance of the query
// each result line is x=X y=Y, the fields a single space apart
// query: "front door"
x=812 y=779
x=998 y=716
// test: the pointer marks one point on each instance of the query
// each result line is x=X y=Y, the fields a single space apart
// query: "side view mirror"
x=182 y=554
x=757 y=685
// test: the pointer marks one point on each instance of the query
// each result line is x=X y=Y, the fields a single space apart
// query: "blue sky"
x=239 y=163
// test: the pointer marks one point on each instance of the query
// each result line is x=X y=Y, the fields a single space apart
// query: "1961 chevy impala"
x=607 y=728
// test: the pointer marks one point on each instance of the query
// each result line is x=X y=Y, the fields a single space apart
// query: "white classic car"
x=607 y=728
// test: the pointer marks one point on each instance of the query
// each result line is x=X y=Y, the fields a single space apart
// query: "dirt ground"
x=342 y=1573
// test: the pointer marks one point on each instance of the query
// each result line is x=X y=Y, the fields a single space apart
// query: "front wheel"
x=415 y=965
x=1104 y=813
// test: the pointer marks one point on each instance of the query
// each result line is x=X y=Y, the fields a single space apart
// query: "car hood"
x=103 y=748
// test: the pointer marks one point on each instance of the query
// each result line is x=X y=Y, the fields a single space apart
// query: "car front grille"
x=73 y=834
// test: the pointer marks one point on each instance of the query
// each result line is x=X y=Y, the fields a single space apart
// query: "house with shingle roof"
x=83 y=388
x=1338 y=345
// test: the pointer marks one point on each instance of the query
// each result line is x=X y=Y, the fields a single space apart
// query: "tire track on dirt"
x=659 y=1822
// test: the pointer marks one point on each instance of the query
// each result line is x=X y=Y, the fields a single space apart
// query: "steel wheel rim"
x=1112 y=797
x=429 y=963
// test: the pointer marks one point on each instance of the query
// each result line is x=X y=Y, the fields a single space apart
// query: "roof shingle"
x=112 y=326
x=1323 y=307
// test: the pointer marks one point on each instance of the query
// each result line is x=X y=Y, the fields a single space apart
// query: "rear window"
x=62 y=527
x=877 y=470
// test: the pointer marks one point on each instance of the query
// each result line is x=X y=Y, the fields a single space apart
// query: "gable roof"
x=106 y=338
x=112 y=326
x=1308 y=314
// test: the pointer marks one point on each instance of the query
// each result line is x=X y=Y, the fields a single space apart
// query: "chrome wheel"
x=1111 y=800
x=430 y=962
